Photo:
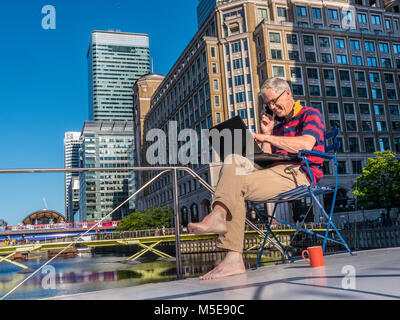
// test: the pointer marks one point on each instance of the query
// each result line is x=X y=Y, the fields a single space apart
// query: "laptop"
x=259 y=157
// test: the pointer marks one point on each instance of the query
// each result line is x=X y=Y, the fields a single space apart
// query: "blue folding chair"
x=302 y=192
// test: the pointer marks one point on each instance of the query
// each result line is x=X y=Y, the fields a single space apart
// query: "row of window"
x=369 y=144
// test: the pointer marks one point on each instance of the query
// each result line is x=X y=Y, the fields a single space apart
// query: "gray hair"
x=277 y=84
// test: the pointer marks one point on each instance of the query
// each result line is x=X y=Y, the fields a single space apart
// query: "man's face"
x=281 y=103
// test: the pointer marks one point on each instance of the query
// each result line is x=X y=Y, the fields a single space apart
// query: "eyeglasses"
x=273 y=101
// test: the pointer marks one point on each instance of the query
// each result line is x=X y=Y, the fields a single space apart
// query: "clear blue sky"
x=43 y=82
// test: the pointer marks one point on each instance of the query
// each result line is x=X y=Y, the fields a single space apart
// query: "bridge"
x=142 y=239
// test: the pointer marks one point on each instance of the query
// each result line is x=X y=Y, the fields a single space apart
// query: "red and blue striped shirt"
x=305 y=121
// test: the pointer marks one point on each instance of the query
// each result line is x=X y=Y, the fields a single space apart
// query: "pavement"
x=367 y=275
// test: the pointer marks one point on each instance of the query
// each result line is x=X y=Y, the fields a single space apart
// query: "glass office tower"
x=115 y=60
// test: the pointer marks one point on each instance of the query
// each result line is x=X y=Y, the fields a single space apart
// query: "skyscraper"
x=71 y=160
x=115 y=60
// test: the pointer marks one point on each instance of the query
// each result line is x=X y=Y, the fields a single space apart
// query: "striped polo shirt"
x=305 y=121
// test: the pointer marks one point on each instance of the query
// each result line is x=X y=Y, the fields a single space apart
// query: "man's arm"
x=289 y=144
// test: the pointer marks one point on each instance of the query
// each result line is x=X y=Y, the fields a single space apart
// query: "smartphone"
x=268 y=110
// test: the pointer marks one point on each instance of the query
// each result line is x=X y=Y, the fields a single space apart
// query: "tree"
x=148 y=219
x=379 y=184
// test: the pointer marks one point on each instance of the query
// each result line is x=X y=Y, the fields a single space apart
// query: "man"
x=299 y=128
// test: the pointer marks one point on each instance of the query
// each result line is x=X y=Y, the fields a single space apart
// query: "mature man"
x=298 y=128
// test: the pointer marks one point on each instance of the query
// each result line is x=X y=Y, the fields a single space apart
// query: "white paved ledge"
x=377 y=276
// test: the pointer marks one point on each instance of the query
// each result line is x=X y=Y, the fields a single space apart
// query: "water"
x=99 y=272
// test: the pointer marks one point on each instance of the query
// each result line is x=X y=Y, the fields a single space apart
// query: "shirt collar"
x=297 y=108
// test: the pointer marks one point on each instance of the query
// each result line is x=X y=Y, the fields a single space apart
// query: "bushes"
x=148 y=219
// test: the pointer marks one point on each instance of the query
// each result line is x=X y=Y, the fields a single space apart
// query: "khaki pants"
x=240 y=181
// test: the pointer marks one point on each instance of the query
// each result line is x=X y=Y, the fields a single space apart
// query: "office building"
x=72 y=144
x=115 y=60
x=342 y=57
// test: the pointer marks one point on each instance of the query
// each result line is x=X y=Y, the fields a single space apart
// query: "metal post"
x=179 y=268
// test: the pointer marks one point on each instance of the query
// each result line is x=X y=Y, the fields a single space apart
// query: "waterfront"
x=97 y=272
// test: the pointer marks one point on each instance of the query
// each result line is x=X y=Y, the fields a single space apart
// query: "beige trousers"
x=239 y=181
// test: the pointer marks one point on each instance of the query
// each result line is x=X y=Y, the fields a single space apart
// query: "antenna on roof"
x=152 y=65
x=45 y=203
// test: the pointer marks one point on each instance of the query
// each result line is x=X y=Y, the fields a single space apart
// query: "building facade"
x=107 y=144
x=72 y=145
x=115 y=61
x=342 y=57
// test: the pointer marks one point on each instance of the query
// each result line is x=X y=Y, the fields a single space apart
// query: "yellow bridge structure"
x=147 y=244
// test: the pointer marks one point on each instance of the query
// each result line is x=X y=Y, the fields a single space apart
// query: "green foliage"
x=379 y=184
x=148 y=219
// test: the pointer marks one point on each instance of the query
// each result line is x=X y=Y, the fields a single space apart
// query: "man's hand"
x=260 y=137
x=267 y=123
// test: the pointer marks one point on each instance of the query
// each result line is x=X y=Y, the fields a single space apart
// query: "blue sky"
x=43 y=82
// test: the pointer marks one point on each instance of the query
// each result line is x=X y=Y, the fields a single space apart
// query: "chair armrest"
x=323 y=155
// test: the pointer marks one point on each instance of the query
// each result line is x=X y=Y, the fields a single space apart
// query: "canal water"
x=94 y=272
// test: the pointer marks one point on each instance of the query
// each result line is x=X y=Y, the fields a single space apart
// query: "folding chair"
x=302 y=192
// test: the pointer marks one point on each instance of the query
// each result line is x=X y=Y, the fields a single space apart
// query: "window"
x=384 y=144
x=333 y=107
x=359 y=76
x=218 y=117
x=328 y=74
x=389 y=78
x=301 y=11
x=371 y=61
x=374 y=77
x=357 y=166
x=396 y=48
x=376 y=20
x=369 y=145
x=295 y=72
x=381 y=126
x=293 y=55
x=326 y=169
x=357 y=60
x=239 y=80
x=282 y=12
x=366 y=126
x=388 y=25
x=348 y=108
x=217 y=101
x=346 y=92
x=310 y=56
x=276 y=54
x=326 y=58
x=362 y=18
x=333 y=14
x=379 y=110
x=216 y=84
x=237 y=64
x=397 y=144
x=376 y=93
x=354 y=145
x=340 y=44
x=236 y=47
x=324 y=42
x=369 y=46
x=308 y=40
x=362 y=92
x=312 y=73
x=351 y=125
x=242 y=113
x=214 y=68
x=391 y=94
x=317 y=13
x=341 y=59
x=297 y=89
x=394 y=110
x=386 y=62
x=383 y=47
x=262 y=13
x=342 y=167
x=330 y=91
x=355 y=45
x=317 y=105
x=278 y=71
x=315 y=91
x=364 y=109
x=335 y=124
x=396 y=125
x=213 y=52
x=240 y=97
x=291 y=38
x=275 y=37
x=344 y=75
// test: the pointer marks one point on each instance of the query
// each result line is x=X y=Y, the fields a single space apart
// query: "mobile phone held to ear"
x=268 y=110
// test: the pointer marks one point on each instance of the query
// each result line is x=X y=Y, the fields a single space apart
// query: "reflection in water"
x=99 y=272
